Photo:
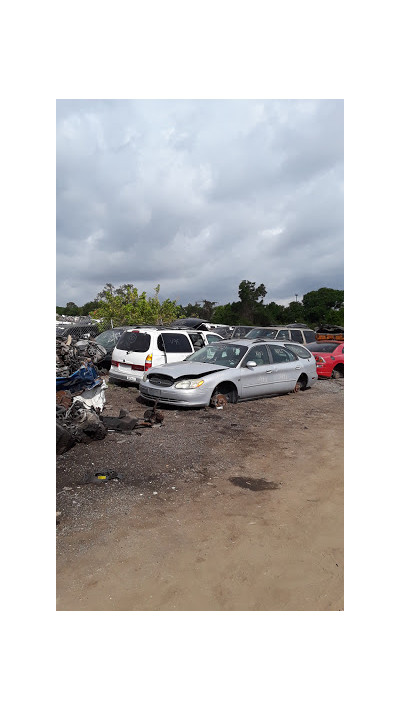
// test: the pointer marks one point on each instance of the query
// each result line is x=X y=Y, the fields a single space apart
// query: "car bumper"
x=129 y=376
x=197 y=397
x=324 y=371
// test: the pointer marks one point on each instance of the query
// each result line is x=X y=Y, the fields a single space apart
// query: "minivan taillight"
x=115 y=362
x=148 y=362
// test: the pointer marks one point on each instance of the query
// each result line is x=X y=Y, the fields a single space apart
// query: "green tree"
x=250 y=297
x=207 y=309
x=125 y=306
x=71 y=309
x=322 y=305
x=294 y=313
x=225 y=314
x=87 y=308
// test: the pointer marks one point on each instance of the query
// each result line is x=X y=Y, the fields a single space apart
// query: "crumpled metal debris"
x=72 y=353
x=126 y=423
x=79 y=423
x=64 y=398
x=75 y=365
x=94 y=397
x=85 y=378
x=153 y=416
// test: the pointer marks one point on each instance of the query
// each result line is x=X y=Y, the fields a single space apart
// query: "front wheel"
x=301 y=384
x=228 y=392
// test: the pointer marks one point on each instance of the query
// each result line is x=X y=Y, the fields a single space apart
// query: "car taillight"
x=148 y=362
x=319 y=359
x=115 y=362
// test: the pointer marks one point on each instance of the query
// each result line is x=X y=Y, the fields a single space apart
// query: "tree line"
x=124 y=305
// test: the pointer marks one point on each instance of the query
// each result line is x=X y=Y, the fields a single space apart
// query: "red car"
x=329 y=356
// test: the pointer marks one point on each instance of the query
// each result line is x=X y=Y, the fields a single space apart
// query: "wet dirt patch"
x=254 y=484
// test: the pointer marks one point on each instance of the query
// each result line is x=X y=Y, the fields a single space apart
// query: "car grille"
x=162 y=381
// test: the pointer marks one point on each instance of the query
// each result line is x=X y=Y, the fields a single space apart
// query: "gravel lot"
x=179 y=531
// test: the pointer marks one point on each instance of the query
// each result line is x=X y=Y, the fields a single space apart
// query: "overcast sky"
x=197 y=196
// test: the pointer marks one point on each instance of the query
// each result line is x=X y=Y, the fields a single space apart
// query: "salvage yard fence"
x=87 y=329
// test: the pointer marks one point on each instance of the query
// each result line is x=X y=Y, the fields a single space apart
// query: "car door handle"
x=298 y=367
x=268 y=371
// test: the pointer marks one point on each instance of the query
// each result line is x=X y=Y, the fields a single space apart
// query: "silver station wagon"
x=238 y=370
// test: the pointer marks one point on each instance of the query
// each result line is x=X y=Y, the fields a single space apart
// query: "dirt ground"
x=177 y=532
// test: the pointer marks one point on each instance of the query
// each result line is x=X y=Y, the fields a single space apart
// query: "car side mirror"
x=251 y=364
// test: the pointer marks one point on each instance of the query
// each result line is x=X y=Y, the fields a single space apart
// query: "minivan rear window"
x=134 y=341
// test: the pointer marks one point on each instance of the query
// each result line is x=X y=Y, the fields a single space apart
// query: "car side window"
x=280 y=354
x=299 y=350
x=174 y=343
x=212 y=337
x=197 y=340
x=283 y=334
x=259 y=354
x=296 y=336
x=309 y=336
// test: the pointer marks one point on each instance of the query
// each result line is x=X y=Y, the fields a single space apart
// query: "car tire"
x=336 y=373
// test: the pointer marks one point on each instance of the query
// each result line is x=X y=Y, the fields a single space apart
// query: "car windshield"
x=322 y=347
x=225 y=354
x=262 y=333
x=108 y=338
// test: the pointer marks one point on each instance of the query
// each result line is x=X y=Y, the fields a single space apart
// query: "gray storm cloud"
x=198 y=195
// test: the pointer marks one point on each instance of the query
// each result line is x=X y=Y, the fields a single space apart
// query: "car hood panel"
x=189 y=370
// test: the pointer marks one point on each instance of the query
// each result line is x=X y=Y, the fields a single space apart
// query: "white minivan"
x=139 y=349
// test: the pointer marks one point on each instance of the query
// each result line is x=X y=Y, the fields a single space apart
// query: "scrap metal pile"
x=80 y=397
x=72 y=354
x=79 y=392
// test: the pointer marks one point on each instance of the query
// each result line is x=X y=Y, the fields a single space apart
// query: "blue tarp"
x=85 y=378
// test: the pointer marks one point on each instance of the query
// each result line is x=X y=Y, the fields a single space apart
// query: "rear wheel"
x=337 y=373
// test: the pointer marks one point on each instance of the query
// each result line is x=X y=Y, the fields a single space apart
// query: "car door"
x=175 y=346
x=254 y=381
x=284 y=369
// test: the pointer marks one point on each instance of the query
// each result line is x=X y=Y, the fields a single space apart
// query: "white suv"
x=139 y=349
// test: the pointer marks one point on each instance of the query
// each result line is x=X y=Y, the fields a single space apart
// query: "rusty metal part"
x=64 y=398
x=153 y=416
x=219 y=401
